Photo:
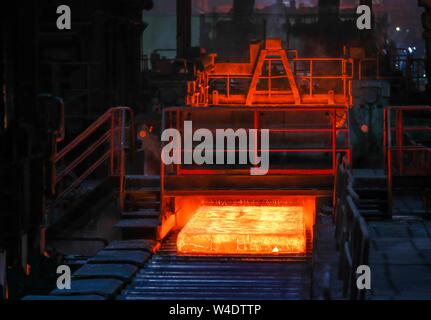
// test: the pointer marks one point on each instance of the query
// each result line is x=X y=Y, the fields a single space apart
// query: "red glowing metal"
x=242 y=230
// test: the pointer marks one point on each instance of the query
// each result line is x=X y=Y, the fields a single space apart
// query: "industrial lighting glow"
x=398 y=29
x=242 y=230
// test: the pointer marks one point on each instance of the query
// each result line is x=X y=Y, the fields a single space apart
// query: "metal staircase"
x=141 y=217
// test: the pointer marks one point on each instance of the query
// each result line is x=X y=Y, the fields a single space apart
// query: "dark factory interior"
x=123 y=173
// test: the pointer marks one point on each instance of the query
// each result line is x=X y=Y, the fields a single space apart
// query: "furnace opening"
x=249 y=227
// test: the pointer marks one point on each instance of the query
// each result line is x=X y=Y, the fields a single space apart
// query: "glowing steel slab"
x=242 y=230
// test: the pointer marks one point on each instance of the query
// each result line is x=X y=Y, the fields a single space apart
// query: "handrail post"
x=334 y=141
x=311 y=78
x=112 y=145
x=122 y=157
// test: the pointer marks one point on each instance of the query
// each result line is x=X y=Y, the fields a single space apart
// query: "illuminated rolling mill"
x=229 y=234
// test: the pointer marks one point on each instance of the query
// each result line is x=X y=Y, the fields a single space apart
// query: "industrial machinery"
x=273 y=77
x=304 y=103
x=287 y=169
x=218 y=216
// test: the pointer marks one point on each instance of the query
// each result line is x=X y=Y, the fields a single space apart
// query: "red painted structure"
x=303 y=102
x=273 y=77
x=405 y=155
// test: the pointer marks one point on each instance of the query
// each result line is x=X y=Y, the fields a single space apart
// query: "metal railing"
x=352 y=235
x=316 y=72
x=404 y=156
x=336 y=129
x=332 y=134
x=105 y=140
x=275 y=77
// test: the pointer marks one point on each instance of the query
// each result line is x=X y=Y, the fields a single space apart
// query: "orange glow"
x=142 y=134
x=271 y=79
x=257 y=230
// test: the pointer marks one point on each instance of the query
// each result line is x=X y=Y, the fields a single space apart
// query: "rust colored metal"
x=304 y=103
x=273 y=76
x=336 y=127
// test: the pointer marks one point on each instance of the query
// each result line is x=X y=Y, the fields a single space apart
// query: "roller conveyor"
x=171 y=276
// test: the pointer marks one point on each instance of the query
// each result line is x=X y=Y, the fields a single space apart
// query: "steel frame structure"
x=174 y=117
x=397 y=149
x=327 y=90
x=269 y=63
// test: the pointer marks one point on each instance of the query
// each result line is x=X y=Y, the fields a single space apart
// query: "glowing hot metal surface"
x=257 y=230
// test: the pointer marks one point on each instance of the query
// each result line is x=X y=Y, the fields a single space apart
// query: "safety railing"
x=333 y=136
x=313 y=76
x=405 y=154
x=102 y=142
x=277 y=81
x=329 y=132
x=318 y=72
x=351 y=233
